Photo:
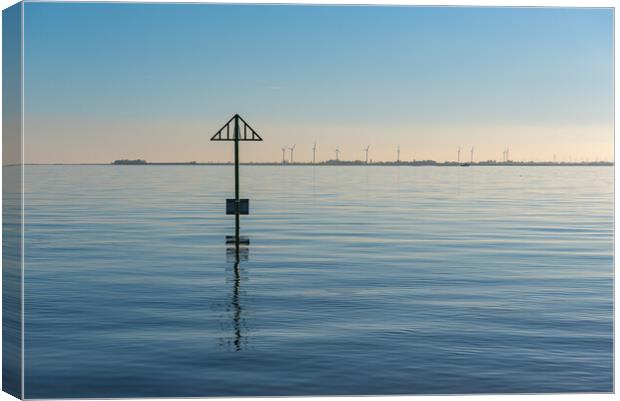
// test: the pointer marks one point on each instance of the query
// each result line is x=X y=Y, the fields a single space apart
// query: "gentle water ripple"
x=359 y=280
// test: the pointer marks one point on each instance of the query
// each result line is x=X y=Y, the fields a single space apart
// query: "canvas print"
x=207 y=200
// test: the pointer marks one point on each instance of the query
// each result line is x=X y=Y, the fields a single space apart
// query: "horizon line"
x=428 y=162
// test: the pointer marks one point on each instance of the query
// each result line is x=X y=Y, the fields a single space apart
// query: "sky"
x=106 y=81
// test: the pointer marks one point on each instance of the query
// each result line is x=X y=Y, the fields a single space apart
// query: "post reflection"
x=236 y=254
x=237 y=308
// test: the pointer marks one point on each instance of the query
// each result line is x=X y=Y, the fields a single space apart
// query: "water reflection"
x=236 y=252
x=234 y=255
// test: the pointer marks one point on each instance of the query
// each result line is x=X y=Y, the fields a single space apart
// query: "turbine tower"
x=283 y=155
x=314 y=153
x=292 y=150
x=458 y=155
x=337 y=153
x=366 y=150
x=471 y=155
x=398 y=154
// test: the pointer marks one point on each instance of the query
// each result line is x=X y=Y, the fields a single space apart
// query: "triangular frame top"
x=227 y=132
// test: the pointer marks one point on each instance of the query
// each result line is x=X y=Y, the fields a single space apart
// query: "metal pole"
x=237 y=178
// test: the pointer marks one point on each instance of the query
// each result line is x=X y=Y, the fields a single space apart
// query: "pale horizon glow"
x=125 y=81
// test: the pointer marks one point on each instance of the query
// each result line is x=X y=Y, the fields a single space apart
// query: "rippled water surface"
x=358 y=280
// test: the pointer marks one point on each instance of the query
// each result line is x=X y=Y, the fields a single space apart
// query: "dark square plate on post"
x=244 y=206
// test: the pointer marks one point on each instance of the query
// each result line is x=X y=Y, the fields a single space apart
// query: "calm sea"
x=358 y=280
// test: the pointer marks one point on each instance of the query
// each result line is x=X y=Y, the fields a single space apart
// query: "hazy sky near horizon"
x=106 y=81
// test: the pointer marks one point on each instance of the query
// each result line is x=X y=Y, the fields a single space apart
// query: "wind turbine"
x=458 y=155
x=292 y=150
x=283 y=155
x=366 y=150
x=337 y=153
x=398 y=154
x=471 y=154
x=314 y=153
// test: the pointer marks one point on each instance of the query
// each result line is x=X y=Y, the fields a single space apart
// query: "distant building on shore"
x=126 y=161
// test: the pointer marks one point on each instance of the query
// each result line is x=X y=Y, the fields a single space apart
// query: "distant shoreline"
x=344 y=163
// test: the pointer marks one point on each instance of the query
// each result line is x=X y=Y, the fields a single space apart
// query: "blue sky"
x=106 y=81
